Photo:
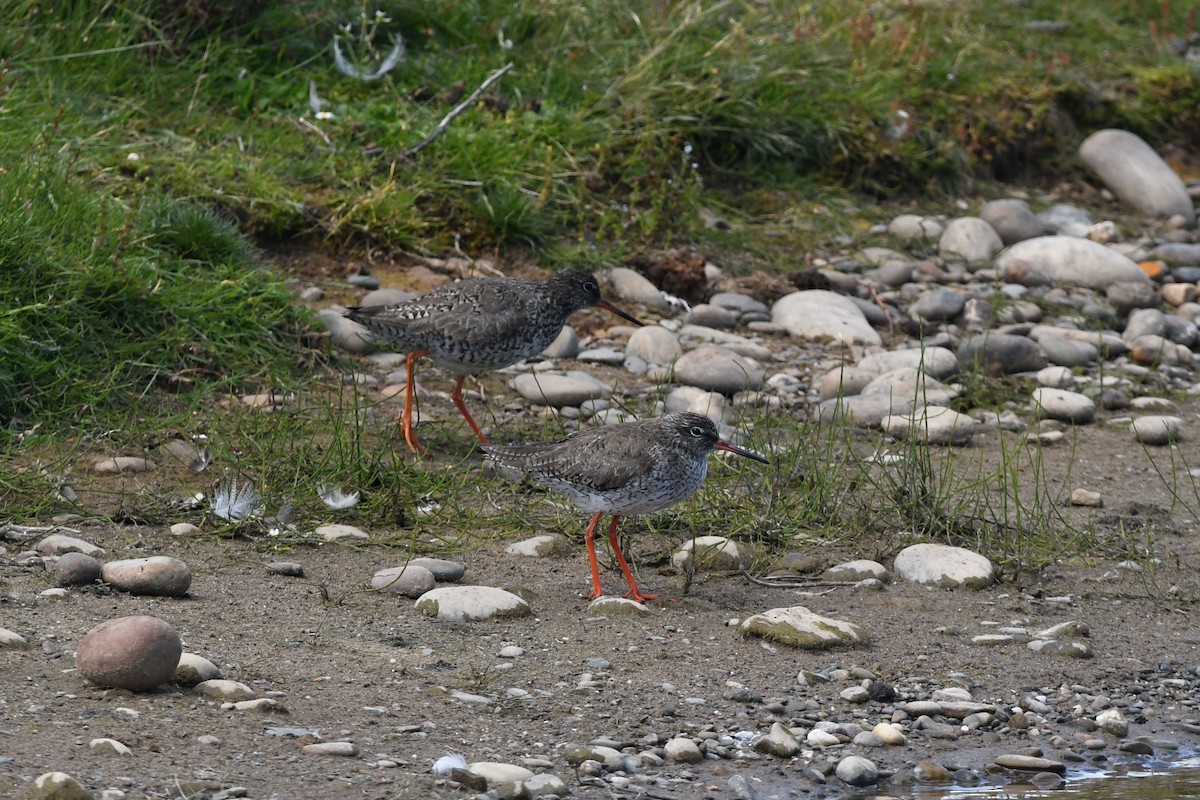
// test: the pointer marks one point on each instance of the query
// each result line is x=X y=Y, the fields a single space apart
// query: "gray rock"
x=1062 y=260
x=857 y=771
x=936 y=361
x=471 y=603
x=1065 y=219
x=565 y=345
x=718 y=369
x=224 y=691
x=136 y=653
x=713 y=553
x=410 y=580
x=1178 y=254
x=824 y=316
x=56 y=544
x=857 y=570
x=1158 y=430
x=940 y=305
x=1026 y=763
x=846 y=382
x=740 y=304
x=1181 y=331
x=1145 y=322
x=654 y=344
x=932 y=424
x=122 y=464
x=293 y=569
x=1136 y=174
x=607 y=605
x=442 y=569
x=864 y=411
x=778 y=741
x=910 y=384
x=799 y=627
x=1000 y=353
x=914 y=226
x=76 y=569
x=558 y=390
x=1112 y=723
x=347 y=749
x=387 y=297
x=602 y=355
x=1068 y=352
x=336 y=531
x=545 y=785
x=11 y=640
x=969 y=239
x=58 y=786
x=710 y=316
x=1063 y=405
x=634 y=287
x=682 y=750
x=161 y=576
x=193 y=669
x=944 y=566
x=1125 y=296
x=547 y=544
x=1012 y=219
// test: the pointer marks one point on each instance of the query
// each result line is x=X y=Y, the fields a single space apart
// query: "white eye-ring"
x=696 y=431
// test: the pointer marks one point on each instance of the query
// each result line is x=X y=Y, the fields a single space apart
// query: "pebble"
x=10 y=640
x=1063 y=405
x=565 y=345
x=193 y=669
x=137 y=653
x=1000 y=353
x=857 y=771
x=1060 y=260
x=58 y=786
x=159 y=576
x=931 y=424
x=442 y=569
x=634 y=287
x=331 y=749
x=1026 y=763
x=559 y=389
x=718 y=369
x=56 y=544
x=76 y=569
x=1158 y=430
x=224 y=690
x=290 y=568
x=799 y=627
x=822 y=315
x=653 y=344
x=120 y=464
x=1137 y=175
x=969 y=239
x=471 y=603
x=944 y=566
x=682 y=750
x=548 y=544
x=915 y=226
x=346 y=333
x=112 y=746
x=410 y=581
x=334 y=532
x=712 y=553
x=1012 y=219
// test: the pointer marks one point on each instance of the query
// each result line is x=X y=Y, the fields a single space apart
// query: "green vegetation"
x=152 y=150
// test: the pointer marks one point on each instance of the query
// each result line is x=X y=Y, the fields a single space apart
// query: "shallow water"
x=1177 y=781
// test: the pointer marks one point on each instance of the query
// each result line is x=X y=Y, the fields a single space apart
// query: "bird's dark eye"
x=697 y=431
x=591 y=286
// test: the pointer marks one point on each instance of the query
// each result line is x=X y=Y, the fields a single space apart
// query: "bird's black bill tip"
x=730 y=448
x=607 y=306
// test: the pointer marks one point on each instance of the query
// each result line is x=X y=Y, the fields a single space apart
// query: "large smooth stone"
x=135 y=653
x=1000 y=354
x=970 y=240
x=471 y=603
x=56 y=544
x=410 y=581
x=932 y=424
x=1012 y=219
x=76 y=569
x=718 y=369
x=653 y=344
x=1136 y=174
x=1066 y=260
x=825 y=316
x=800 y=627
x=1063 y=405
x=936 y=361
x=558 y=390
x=161 y=576
x=944 y=566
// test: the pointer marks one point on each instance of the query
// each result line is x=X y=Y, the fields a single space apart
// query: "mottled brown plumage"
x=481 y=324
x=633 y=468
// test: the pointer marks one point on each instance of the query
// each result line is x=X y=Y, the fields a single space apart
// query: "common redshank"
x=631 y=468
x=480 y=324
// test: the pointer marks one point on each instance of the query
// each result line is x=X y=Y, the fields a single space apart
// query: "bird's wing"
x=600 y=459
x=475 y=311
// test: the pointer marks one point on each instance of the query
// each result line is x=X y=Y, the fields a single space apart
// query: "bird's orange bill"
x=607 y=306
x=730 y=448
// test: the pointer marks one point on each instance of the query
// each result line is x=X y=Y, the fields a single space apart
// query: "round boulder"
x=76 y=569
x=161 y=576
x=135 y=653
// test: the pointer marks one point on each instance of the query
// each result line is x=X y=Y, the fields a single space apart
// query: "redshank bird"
x=481 y=324
x=631 y=468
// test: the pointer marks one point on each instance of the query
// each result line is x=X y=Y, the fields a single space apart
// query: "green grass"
x=152 y=152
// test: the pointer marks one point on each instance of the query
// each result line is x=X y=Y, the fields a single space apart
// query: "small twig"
x=458 y=109
x=789 y=582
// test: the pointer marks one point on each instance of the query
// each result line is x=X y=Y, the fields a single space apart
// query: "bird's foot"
x=638 y=597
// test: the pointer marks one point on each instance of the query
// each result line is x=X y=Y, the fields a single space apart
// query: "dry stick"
x=458 y=109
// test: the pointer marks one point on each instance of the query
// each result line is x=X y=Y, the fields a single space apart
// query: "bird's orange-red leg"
x=589 y=536
x=634 y=593
x=462 y=407
x=409 y=394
